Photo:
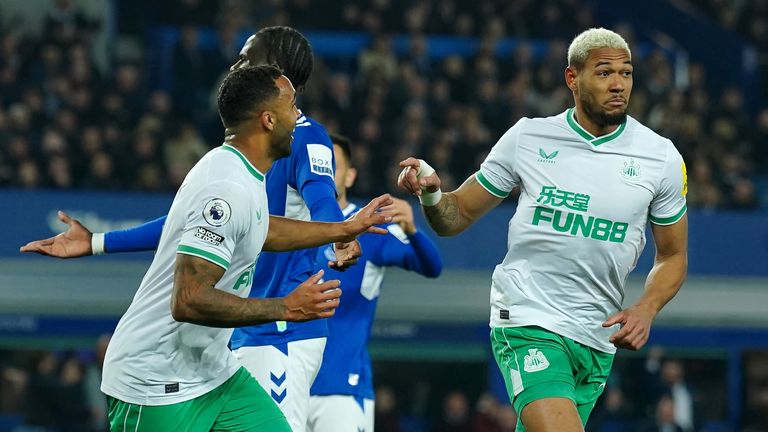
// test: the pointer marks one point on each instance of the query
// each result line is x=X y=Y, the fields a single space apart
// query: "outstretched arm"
x=196 y=300
x=144 y=237
x=78 y=241
x=663 y=283
x=289 y=234
x=447 y=213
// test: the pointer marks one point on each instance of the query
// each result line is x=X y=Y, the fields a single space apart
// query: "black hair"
x=344 y=143
x=290 y=50
x=244 y=90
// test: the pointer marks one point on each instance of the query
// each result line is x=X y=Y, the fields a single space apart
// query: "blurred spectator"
x=67 y=24
x=386 y=417
x=614 y=414
x=28 y=175
x=756 y=391
x=378 y=62
x=13 y=382
x=190 y=72
x=191 y=12
x=101 y=172
x=96 y=400
x=40 y=405
x=667 y=379
x=455 y=415
x=182 y=151
x=73 y=414
x=507 y=419
x=665 y=417
x=486 y=418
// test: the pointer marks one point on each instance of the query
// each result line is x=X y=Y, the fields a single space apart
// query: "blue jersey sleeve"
x=321 y=201
x=144 y=237
x=412 y=252
x=315 y=167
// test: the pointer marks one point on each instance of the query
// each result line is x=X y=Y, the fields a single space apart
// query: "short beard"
x=601 y=118
x=282 y=148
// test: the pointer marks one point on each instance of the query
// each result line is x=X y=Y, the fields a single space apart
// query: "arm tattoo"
x=195 y=293
x=444 y=217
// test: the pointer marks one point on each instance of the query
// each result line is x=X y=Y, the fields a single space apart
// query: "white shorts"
x=339 y=413
x=287 y=378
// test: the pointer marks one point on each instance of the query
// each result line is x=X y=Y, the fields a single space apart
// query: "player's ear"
x=349 y=180
x=268 y=120
x=570 y=77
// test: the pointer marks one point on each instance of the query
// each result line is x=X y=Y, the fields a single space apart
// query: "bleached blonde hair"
x=594 y=38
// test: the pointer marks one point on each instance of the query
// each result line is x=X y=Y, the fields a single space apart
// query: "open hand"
x=367 y=218
x=313 y=299
x=72 y=243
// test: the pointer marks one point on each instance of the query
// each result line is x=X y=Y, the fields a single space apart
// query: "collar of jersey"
x=301 y=118
x=251 y=169
x=595 y=141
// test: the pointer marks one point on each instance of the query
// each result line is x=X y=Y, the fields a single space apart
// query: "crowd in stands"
x=48 y=391
x=65 y=123
x=58 y=391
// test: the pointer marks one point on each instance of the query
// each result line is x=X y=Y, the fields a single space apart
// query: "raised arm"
x=196 y=300
x=663 y=283
x=447 y=213
x=289 y=234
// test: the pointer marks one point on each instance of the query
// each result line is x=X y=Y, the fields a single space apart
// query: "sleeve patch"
x=208 y=236
x=217 y=212
x=320 y=159
x=685 y=179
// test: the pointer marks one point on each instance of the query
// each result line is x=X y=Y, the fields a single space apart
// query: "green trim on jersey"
x=595 y=141
x=669 y=220
x=251 y=169
x=493 y=190
x=189 y=250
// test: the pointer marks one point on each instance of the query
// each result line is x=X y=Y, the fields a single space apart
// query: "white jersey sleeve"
x=498 y=173
x=217 y=218
x=668 y=204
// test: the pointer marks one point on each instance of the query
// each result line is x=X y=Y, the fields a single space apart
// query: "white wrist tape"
x=424 y=169
x=97 y=244
x=427 y=199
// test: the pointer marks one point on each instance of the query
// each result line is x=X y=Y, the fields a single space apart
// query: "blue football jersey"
x=346 y=367
x=278 y=273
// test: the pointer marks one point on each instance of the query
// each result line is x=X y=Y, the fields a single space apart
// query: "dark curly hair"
x=288 y=49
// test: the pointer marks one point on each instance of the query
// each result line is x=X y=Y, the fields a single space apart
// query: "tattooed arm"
x=196 y=300
x=455 y=211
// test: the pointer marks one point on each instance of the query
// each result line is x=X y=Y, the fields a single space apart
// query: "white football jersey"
x=580 y=222
x=219 y=214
